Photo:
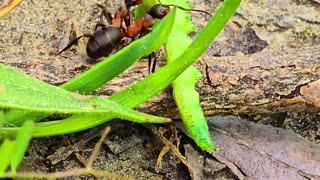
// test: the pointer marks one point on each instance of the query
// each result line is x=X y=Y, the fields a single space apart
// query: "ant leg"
x=152 y=64
x=128 y=19
x=149 y=63
x=108 y=17
x=74 y=42
x=153 y=69
x=105 y=14
x=99 y=25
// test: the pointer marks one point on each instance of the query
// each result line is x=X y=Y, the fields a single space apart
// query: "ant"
x=104 y=40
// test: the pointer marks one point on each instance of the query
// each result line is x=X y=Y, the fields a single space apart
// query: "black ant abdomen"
x=103 y=42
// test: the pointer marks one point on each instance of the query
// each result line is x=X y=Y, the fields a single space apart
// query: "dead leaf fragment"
x=265 y=152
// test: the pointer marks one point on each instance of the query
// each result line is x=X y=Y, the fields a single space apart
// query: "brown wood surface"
x=265 y=82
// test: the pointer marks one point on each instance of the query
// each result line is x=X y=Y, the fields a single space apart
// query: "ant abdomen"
x=102 y=43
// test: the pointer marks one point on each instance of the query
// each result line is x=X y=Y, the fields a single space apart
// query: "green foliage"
x=184 y=93
x=106 y=70
x=26 y=93
x=30 y=99
x=6 y=150
x=21 y=144
x=1 y=121
x=179 y=48
x=12 y=151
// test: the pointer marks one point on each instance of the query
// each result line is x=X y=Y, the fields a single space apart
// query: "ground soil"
x=45 y=27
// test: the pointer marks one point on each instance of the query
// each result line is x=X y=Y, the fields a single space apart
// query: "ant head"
x=159 y=11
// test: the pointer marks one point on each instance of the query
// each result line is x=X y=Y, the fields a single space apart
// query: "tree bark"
x=265 y=82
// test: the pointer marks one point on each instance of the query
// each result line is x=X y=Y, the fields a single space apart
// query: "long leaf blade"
x=155 y=83
x=27 y=93
x=23 y=137
x=106 y=70
x=184 y=92
x=6 y=149
x=122 y=60
x=140 y=93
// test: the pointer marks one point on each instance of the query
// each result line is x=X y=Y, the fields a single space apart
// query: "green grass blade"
x=184 y=93
x=144 y=7
x=26 y=93
x=1 y=122
x=188 y=102
x=122 y=60
x=21 y=145
x=106 y=70
x=162 y=78
x=155 y=83
x=6 y=150
x=72 y=124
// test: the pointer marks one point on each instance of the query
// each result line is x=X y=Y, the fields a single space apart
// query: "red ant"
x=106 y=39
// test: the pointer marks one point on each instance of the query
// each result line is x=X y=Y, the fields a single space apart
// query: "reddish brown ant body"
x=106 y=39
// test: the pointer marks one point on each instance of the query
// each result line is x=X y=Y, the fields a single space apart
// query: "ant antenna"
x=196 y=10
x=185 y=9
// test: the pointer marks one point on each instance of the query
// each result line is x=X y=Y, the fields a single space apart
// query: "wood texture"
x=265 y=82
